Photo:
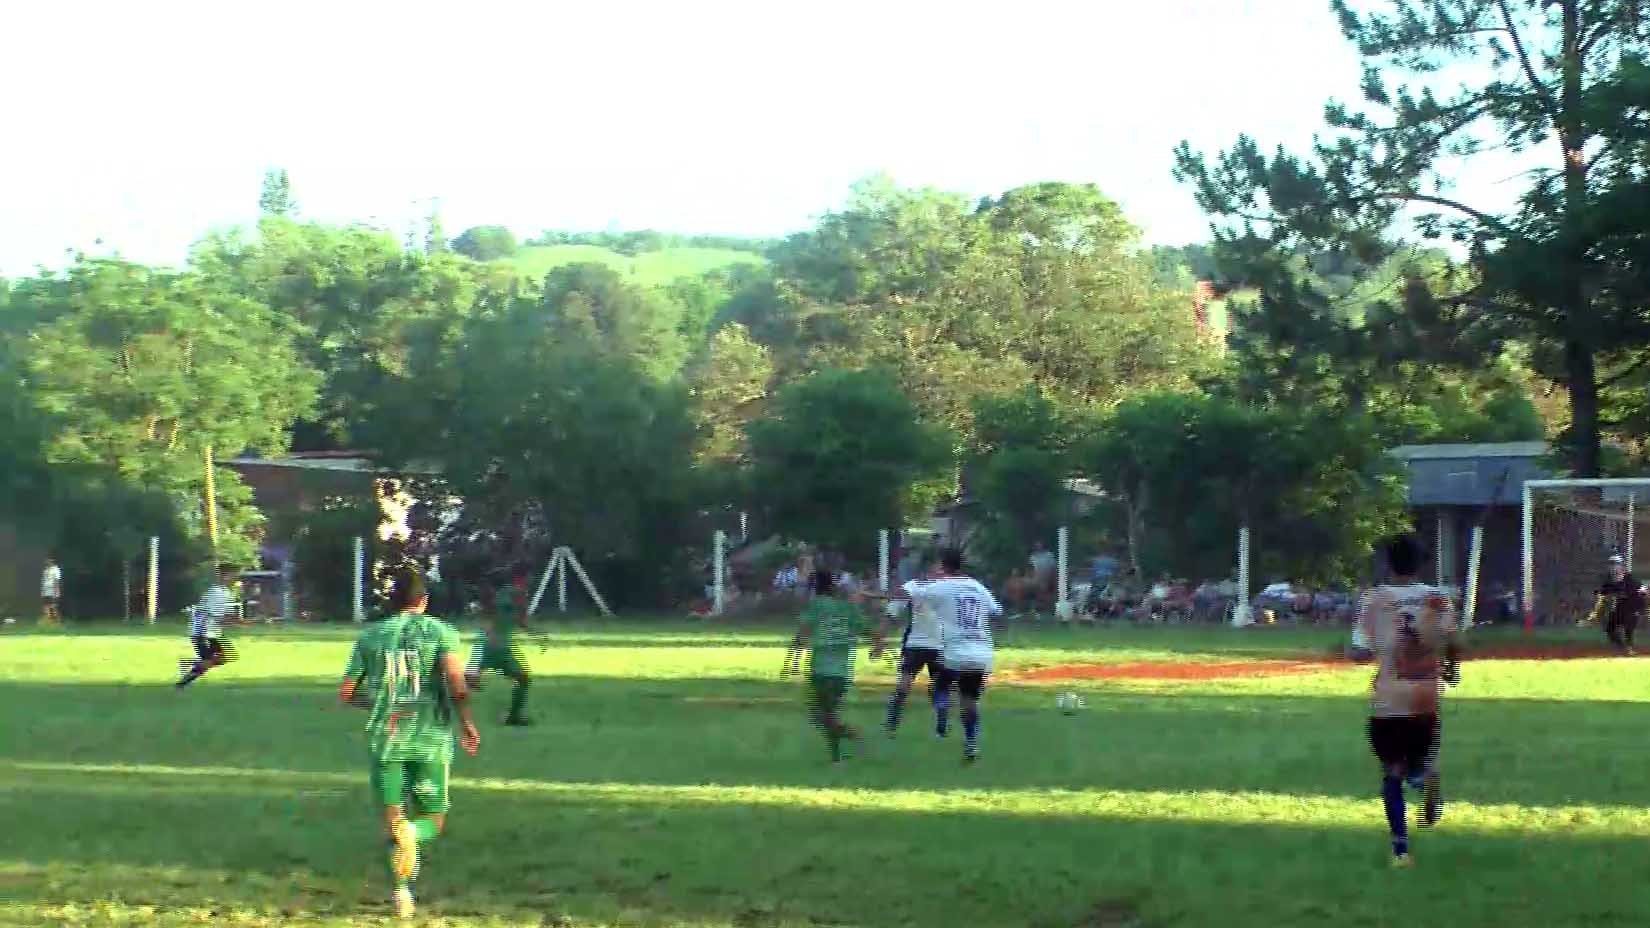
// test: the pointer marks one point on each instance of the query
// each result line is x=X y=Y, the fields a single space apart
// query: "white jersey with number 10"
x=964 y=608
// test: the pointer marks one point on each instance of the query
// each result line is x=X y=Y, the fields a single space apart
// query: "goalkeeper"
x=1619 y=605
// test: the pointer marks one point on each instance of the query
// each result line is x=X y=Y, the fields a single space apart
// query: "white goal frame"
x=1528 y=546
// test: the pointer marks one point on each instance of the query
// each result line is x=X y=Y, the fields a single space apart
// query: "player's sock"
x=426 y=829
x=833 y=737
x=942 y=713
x=896 y=704
x=194 y=673
x=1392 y=796
x=971 y=729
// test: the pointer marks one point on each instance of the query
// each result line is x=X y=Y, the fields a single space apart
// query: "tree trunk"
x=1584 y=434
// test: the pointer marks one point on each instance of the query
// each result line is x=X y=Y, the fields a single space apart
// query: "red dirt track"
x=1227 y=670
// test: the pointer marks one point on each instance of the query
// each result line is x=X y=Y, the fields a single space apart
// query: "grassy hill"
x=652 y=268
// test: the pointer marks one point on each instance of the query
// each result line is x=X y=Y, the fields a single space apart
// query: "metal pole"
x=1240 y=612
x=1529 y=560
x=1438 y=549
x=153 y=605
x=1470 y=614
x=561 y=583
x=744 y=527
x=882 y=560
x=358 y=606
x=718 y=571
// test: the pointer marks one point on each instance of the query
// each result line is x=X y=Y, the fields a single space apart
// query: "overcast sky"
x=147 y=124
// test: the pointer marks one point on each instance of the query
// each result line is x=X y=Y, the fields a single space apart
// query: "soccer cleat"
x=404 y=859
x=941 y=726
x=1403 y=862
x=403 y=899
x=1432 y=808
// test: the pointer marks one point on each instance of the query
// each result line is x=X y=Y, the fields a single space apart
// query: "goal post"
x=1571 y=528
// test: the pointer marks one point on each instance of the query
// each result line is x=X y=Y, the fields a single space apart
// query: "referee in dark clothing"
x=1621 y=600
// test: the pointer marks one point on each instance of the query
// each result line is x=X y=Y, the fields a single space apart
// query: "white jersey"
x=964 y=608
x=923 y=631
x=1406 y=627
x=51 y=582
x=206 y=620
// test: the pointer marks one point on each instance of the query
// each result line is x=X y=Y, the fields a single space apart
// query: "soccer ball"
x=1069 y=703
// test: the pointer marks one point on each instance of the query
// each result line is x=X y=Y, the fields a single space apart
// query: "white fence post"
x=358 y=605
x=882 y=560
x=718 y=571
x=1241 y=613
x=1473 y=556
x=1062 y=550
x=153 y=606
x=1529 y=558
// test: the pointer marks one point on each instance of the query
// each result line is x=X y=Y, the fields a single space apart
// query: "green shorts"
x=826 y=694
x=504 y=658
x=421 y=784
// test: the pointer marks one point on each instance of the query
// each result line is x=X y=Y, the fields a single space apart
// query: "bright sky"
x=146 y=124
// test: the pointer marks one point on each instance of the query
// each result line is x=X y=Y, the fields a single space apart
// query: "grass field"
x=672 y=780
x=651 y=268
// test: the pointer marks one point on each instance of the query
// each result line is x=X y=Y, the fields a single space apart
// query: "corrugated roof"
x=1508 y=449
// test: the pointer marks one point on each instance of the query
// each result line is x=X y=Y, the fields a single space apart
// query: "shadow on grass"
x=748 y=732
x=290 y=848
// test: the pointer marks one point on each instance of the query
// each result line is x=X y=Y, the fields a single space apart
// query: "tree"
x=1185 y=471
x=729 y=384
x=276 y=197
x=485 y=243
x=1044 y=284
x=841 y=455
x=1017 y=474
x=1560 y=77
x=435 y=237
x=137 y=372
x=597 y=305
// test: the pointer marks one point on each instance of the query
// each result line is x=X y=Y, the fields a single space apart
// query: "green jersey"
x=833 y=628
x=397 y=663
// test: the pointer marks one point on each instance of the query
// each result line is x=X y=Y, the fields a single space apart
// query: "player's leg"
x=1629 y=625
x=388 y=782
x=826 y=695
x=1387 y=739
x=970 y=687
x=910 y=661
x=1432 y=784
x=942 y=700
x=192 y=670
x=515 y=668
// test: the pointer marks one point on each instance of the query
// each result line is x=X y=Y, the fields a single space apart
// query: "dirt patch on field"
x=1227 y=670
x=1174 y=670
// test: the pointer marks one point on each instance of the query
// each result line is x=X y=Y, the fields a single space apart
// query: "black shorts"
x=208 y=648
x=913 y=660
x=970 y=683
x=1410 y=740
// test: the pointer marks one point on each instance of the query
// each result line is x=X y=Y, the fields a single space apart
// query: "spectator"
x=51 y=592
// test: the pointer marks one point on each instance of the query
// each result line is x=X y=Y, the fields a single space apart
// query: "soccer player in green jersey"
x=406 y=669
x=498 y=651
x=831 y=629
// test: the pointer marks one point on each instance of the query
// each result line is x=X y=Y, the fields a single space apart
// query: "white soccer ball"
x=1069 y=703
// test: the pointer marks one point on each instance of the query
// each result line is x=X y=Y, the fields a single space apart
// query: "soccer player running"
x=919 y=648
x=1411 y=631
x=964 y=608
x=407 y=671
x=831 y=629
x=51 y=592
x=206 y=621
x=497 y=651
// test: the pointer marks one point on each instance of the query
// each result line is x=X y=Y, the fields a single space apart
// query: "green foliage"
x=276 y=196
x=137 y=373
x=1044 y=285
x=728 y=383
x=1560 y=271
x=1184 y=472
x=485 y=243
x=1017 y=475
x=841 y=455
x=655 y=269
x=596 y=306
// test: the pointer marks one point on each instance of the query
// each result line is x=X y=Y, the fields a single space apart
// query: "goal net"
x=1571 y=530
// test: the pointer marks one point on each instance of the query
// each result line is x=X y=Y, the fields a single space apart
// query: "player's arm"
x=452 y=670
x=1364 y=627
x=349 y=691
x=793 y=656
